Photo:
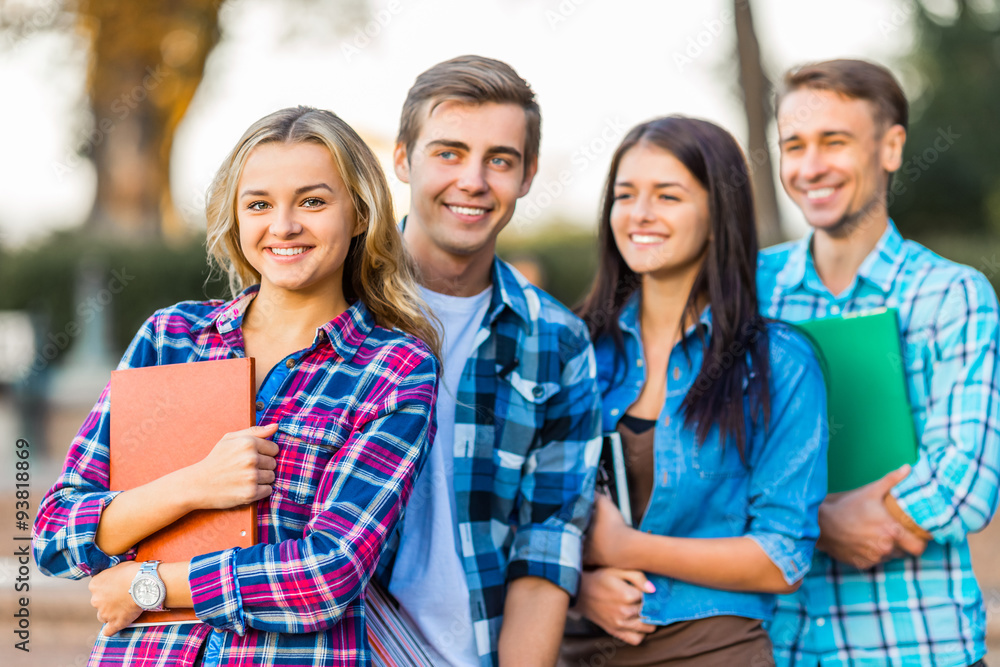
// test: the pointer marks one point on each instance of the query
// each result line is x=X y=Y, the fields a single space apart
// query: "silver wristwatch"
x=147 y=589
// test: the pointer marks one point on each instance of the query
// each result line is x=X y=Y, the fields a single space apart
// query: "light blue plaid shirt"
x=526 y=444
x=909 y=611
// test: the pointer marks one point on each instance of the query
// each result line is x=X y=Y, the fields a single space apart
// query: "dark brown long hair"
x=727 y=277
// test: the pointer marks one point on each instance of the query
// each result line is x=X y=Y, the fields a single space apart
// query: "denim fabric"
x=708 y=491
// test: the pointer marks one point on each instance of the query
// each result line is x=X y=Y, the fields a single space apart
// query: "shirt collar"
x=508 y=290
x=879 y=268
x=346 y=332
x=628 y=319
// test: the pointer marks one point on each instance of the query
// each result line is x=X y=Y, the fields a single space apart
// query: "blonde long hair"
x=377 y=269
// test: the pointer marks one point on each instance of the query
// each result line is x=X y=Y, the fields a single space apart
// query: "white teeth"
x=286 y=252
x=819 y=193
x=646 y=238
x=466 y=210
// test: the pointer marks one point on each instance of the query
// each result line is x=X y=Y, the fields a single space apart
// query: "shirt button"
x=835 y=310
x=290 y=363
x=614 y=412
x=677 y=373
x=665 y=479
x=538 y=391
x=666 y=420
x=820 y=622
x=638 y=363
x=260 y=405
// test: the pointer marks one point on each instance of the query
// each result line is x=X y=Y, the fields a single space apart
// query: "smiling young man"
x=489 y=551
x=892 y=580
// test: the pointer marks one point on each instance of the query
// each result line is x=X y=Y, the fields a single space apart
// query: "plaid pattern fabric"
x=527 y=438
x=909 y=611
x=355 y=415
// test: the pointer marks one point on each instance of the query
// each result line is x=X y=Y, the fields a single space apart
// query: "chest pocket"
x=305 y=450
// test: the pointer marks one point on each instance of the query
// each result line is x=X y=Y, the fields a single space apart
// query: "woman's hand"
x=238 y=470
x=612 y=599
x=607 y=535
x=109 y=595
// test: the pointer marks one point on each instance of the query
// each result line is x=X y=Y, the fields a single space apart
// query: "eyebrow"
x=461 y=145
x=824 y=135
x=668 y=184
x=298 y=191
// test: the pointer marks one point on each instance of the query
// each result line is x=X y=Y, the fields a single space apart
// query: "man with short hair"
x=891 y=582
x=489 y=551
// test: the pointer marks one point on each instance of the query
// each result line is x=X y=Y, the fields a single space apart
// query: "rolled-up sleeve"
x=789 y=469
x=556 y=491
x=952 y=488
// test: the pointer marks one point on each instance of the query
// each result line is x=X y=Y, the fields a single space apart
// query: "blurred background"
x=114 y=115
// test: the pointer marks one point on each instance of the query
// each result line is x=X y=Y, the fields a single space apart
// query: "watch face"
x=146 y=591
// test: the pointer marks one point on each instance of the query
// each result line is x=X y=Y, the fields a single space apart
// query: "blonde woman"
x=300 y=218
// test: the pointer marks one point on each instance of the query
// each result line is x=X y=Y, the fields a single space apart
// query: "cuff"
x=215 y=591
x=917 y=497
x=551 y=554
x=81 y=529
x=792 y=557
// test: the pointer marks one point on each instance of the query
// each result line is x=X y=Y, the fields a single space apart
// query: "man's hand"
x=856 y=527
x=109 y=594
x=612 y=599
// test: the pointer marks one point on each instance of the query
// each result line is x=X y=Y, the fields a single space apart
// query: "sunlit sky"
x=597 y=66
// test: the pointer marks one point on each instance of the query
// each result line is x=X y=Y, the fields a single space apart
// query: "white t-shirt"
x=428 y=578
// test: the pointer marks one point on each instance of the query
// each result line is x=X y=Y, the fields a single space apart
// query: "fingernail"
x=649 y=587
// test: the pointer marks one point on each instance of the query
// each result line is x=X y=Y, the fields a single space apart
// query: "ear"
x=401 y=162
x=891 y=148
x=530 y=169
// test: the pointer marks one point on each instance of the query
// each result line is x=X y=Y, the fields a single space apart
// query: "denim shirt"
x=708 y=491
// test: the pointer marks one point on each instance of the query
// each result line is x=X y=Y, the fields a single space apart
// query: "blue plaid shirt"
x=908 y=611
x=527 y=439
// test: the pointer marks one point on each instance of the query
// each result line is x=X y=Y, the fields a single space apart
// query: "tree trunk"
x=147 y=60
x=757 y=91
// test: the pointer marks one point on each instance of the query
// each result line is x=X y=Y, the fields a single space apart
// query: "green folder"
x=871 y=426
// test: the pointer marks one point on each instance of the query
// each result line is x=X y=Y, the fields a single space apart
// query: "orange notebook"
x=164 y=418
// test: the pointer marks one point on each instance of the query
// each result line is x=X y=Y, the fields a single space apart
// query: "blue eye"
x=500 y=162
x=447 y=155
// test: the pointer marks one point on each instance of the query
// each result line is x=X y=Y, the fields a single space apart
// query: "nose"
x=641 y=210
x=472 y=178
x=813 y=165
x=284 y=223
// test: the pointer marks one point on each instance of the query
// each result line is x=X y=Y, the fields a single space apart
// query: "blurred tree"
x=950 y=178
x=756 y=92
x=147 y=58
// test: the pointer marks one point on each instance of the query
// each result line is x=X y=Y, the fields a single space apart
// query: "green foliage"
x=133 y=281
x=950 y=179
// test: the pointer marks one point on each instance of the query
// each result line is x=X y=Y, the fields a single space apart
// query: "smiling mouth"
x=288 y=252
x=467 y=210
x=646 y=239
x=820 y=193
